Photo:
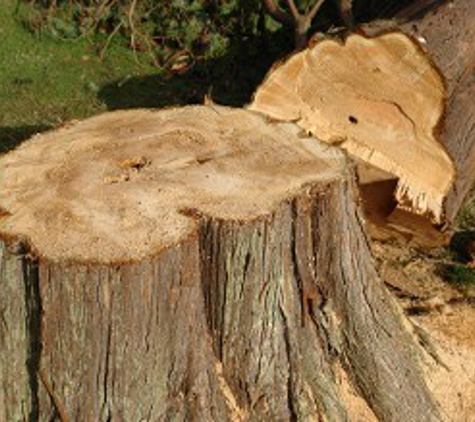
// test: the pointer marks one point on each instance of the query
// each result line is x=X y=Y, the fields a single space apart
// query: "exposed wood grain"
x=378 y=98
x=447 y=33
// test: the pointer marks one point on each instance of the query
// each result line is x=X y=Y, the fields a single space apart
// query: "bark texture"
x=242 y=318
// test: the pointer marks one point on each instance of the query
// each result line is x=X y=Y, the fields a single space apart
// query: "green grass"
x=457 y=270
x=466 y=218
x=45 y=81
x=459 y=276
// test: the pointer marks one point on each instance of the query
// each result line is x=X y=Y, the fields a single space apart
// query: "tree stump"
x=200 y=263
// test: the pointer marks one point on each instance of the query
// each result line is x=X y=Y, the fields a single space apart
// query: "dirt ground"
x=445 y=317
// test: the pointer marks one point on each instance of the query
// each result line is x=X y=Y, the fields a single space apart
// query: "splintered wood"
x=380 y=99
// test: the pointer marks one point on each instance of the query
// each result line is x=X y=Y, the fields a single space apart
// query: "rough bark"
x=345 y=10
x=245 y=316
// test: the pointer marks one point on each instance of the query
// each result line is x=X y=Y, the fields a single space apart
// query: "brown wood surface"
x=247 y=316
x=380 y=99
x=446 y=30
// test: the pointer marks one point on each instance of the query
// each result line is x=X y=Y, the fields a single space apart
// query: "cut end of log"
x=127 y=184
x=381 y=99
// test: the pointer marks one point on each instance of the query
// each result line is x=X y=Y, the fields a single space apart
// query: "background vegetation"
x=65 y=59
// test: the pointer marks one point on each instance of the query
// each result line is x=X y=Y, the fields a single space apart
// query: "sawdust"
x=446 y=314
x=454 y=386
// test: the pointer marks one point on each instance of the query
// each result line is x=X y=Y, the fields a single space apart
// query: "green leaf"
x=218 y=45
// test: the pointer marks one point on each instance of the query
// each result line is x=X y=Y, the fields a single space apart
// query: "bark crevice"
x=33 y=308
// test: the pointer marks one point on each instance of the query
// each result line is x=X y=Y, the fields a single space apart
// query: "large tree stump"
x=193 y=264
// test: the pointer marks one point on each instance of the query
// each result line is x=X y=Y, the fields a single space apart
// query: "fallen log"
x=200 y=263
x=443 y=31
x=446 y=32
x=378 y=98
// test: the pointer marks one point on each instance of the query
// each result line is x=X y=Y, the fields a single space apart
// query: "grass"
x=459 y=276
x=466 y=218
x=45 y=81
x=463 y=277
x=458 y=270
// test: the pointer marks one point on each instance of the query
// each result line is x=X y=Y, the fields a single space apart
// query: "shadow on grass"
x=11 y=137
x=459 y=271
x=229 y=80
x=461 y=246
x=156 y=91
x=153 y=91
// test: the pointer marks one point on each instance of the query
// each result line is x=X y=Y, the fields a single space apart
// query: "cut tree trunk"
x=194 y=264
x=447 y=33
x=378 y=98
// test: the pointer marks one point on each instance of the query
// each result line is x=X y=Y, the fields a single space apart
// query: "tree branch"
x=346 y=13
x=294 y=10
x=316 y=7
x=276 y=12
